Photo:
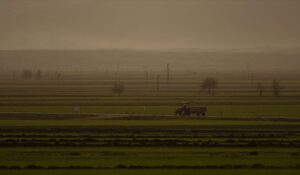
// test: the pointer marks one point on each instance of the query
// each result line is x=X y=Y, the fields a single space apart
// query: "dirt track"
x=42 y=116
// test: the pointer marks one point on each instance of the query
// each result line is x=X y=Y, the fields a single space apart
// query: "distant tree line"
x=209 y=85
x=276 y=88
x=28 y=74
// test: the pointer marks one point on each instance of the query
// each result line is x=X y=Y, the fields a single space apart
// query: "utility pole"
x=168 y=76
x=14 y=75
x=157 y=85
x=147 y=78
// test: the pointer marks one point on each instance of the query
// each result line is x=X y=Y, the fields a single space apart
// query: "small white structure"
x=76 y=109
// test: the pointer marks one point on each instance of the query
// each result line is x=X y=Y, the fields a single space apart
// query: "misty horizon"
x=149 y=25
x=141 y=60
x=164 y=87
x=195 y=35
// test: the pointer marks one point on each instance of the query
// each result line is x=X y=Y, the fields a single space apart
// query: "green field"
x=162 y=122
x=233 y=98
x=150 y=172
x=148 y=156
x=137 y=132
x=162 y=146
x=213 y=110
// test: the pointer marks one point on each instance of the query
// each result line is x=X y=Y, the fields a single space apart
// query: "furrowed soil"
x=135 y=144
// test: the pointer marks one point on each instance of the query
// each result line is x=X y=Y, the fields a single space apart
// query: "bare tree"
x=209 y=85
x=260 y=89
x=57 y=75
x=118 y=88
x=39 y=74
x=14 y=75
x=276 y=87
x=27 y=74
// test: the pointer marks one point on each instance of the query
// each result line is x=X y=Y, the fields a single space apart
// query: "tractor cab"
x=183 y=109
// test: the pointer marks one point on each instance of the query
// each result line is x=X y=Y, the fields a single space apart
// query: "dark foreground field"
x=90 y=144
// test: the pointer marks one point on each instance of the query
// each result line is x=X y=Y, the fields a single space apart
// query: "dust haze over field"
x=94 y=24
x=150 y=87
x=141 y=60
x=194 y=34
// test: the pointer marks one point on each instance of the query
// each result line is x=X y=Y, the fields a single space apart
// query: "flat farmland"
x=232 y=97
x=76 y=125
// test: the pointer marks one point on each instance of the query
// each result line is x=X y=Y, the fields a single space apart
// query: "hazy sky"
x=148 y=24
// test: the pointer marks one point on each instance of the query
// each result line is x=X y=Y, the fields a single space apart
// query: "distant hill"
x=127 y=59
